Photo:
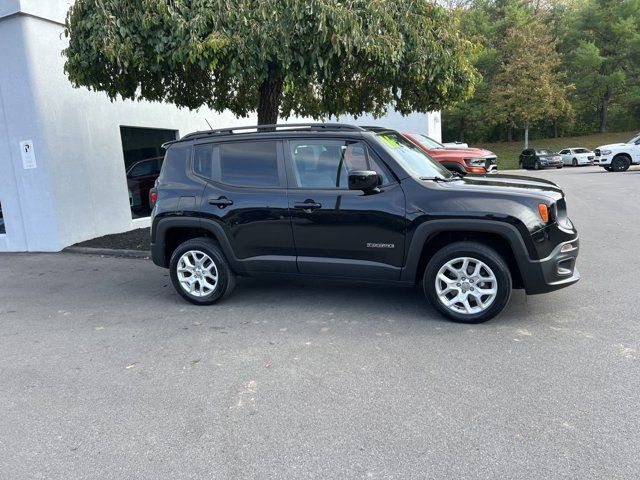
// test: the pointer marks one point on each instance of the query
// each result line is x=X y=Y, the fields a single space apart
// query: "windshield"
x=428 y=142
x=411 y=157
x=635 y=139
x=543 y=151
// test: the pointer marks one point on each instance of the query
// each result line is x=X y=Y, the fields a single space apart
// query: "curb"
x=110 y=252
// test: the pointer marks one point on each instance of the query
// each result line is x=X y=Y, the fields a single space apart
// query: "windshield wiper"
x=439 y=179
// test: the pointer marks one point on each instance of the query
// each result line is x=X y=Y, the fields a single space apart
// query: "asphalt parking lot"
x=106 y=373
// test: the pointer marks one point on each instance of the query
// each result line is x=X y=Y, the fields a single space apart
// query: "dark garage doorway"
x=143 y=156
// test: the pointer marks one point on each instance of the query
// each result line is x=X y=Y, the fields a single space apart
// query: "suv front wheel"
x=467 y=282
x=200 y=273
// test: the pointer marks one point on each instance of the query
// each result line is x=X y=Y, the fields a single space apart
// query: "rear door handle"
x=307 y=205
x=220 y=202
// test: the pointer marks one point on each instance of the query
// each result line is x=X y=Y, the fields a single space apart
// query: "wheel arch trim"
x=428 y=230
x=163 y=225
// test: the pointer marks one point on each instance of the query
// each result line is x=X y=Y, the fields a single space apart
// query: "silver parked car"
x=577 y=156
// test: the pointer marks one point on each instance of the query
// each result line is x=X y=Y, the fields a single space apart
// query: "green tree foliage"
x=528 y=86
x=602 y=49
x=279 y=57
x=599 y=43
x=486 y=23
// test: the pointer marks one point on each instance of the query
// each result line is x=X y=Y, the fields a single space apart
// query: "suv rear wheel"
x=467 y=282
x=200 y=273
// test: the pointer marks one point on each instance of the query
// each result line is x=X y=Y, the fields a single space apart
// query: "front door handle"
x=220 y=202
x=309 y=205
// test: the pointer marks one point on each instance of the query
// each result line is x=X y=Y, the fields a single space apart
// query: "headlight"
x=475 y=162
x=605 y=152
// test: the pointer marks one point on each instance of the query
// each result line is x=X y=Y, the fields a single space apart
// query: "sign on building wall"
x=28 y=155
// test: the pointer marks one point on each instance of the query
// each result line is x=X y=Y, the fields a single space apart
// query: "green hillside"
x=508 y=152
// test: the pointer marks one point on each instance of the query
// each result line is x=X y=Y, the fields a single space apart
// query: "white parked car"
x=618 y=157
x=577 y=156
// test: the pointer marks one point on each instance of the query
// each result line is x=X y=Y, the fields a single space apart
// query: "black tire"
x=476 y=251
x=559 y=167
x=536 y=165
x=574 y=162
x=226 y=278
x=620 y=163
x=607 y=168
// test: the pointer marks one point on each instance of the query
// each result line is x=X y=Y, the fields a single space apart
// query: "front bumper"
x=555 y=163
x=558 y=270
x=602 y=160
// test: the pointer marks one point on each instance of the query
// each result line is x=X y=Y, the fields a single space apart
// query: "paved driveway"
x=106 y=373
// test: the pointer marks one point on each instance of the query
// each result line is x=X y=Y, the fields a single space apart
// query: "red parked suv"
x=461 y=160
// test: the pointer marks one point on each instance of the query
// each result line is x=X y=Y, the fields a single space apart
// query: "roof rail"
x=376 y=128
x=275 y=127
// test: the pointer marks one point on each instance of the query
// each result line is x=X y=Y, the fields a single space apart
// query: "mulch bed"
x=134 y=240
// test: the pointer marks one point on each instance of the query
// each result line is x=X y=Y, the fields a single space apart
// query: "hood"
x=463 y=152
x=612 y=145
x=509 y=184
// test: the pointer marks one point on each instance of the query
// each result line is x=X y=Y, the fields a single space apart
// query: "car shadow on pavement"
x=365 y=301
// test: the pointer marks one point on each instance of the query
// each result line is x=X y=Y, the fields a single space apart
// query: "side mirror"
x=364 y=180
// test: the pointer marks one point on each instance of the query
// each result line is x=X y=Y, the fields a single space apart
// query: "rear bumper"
x=556 y=271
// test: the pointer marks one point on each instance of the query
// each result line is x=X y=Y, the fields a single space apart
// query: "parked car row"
x=537 y=158
x=616 y=157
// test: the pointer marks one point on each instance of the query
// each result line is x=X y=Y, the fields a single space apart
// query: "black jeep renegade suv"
x=343 y=201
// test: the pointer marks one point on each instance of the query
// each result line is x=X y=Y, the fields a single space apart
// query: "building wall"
x=25 y=195
x=429 y=124
x=78 y=190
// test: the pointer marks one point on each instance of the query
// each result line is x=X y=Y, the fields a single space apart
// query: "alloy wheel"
x=197 y=273
x=466 y=285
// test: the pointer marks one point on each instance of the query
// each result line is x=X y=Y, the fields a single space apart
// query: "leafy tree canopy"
x=529 y=85
x=281 y=57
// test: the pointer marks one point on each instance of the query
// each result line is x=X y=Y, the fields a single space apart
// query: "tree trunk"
x=461 y=131
x=509 y=134
x=526 y=136
x=555 y=129
x=603 y=111
x=270 y=94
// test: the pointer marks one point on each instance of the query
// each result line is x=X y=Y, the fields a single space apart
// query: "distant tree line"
x=549 y=67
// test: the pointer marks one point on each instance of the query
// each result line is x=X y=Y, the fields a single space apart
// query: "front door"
x=338 y=231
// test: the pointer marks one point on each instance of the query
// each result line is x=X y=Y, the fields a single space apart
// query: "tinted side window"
x=327 y=163
x=249 y=164
x=176 y=161
x=203 y=160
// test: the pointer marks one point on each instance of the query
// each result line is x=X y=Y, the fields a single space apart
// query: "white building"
x=64 y=151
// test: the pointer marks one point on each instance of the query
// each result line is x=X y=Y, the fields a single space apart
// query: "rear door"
x=338 y=231
x=246 y=193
